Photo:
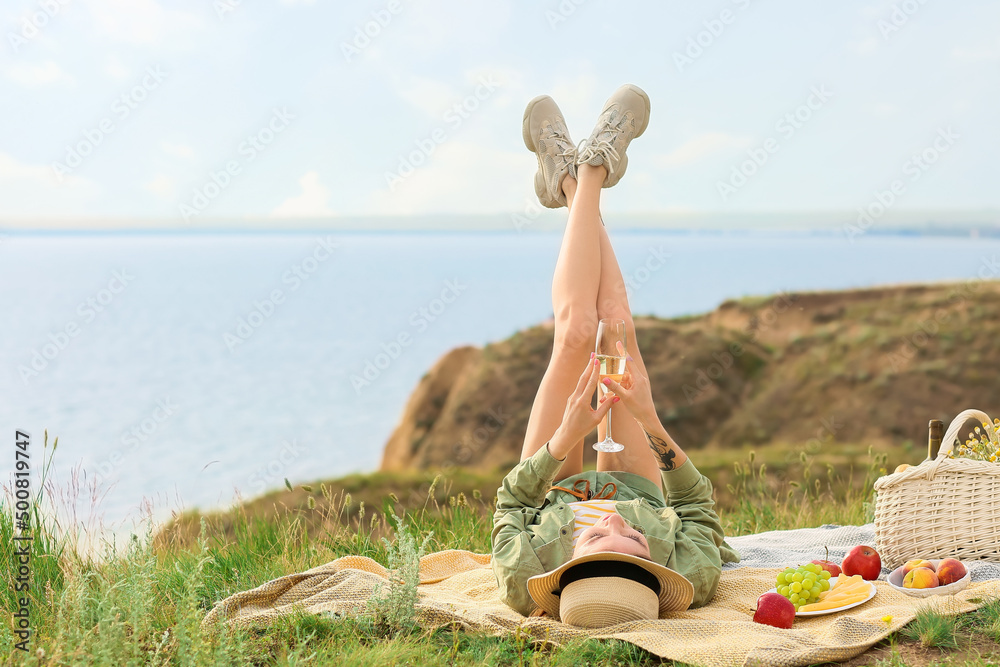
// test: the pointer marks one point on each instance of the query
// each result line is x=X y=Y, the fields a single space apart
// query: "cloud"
x=32 y=75
x=510 y=86
x=985 y=54
x=11 y=170
x=432 y=27
x=579 y=98
x=142 y=22
x=428 y=95
x=161 y=185
x=495 y=87
x=32 y=190
x=454 y=182
x=312 y=203
x=177 y=150
x=116 y=69
x=700 y=147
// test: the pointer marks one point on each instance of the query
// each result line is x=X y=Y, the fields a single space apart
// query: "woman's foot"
x=545 y=134
x=625 y=117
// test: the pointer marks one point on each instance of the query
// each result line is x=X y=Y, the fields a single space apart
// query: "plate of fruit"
x=826 y=595
x=820 y=587
x=923 y=578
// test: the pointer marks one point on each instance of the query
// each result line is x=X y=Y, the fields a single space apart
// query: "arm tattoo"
x=662 y=450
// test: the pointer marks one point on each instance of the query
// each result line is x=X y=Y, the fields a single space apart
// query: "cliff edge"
x=816 y=368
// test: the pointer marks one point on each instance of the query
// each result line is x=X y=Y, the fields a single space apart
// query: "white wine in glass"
x=610 y=353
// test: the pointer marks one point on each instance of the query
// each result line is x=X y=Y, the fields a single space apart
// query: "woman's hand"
x=636 y=395
x=579 y=418
x=638 y=398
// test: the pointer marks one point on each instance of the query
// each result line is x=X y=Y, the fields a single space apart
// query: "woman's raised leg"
x=575 y=288
x=612 y=302
x=588 y=283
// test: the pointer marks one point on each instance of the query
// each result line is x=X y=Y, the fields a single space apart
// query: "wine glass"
x=610 y=353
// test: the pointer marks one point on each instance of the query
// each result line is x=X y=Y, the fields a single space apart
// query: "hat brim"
x=676 y=592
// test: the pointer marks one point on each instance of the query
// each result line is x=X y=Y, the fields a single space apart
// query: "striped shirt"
x=587 y=513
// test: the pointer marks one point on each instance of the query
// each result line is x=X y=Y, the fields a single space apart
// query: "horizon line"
x=948 y=231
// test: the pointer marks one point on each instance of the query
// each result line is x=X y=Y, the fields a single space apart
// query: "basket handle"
x=948 y=441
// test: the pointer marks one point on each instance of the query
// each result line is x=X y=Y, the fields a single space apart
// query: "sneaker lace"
x=558 y=135
x=601 y=147
x=601 y=144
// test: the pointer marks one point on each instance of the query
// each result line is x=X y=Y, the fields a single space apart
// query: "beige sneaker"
x=545 y=134
x=625 y=117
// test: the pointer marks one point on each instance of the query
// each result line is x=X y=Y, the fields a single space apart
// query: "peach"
x=949 y=571
x=922 y=577
x=914 y=564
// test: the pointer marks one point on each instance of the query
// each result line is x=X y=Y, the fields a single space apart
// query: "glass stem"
x=607 y=433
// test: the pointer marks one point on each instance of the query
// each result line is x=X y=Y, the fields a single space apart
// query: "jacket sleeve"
x=519 y=503
x=700 y=548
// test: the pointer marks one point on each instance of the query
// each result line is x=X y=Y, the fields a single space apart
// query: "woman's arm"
x=669 y=456
x=519 y=502
x=699 y=542
x=700 y=547
x=637 y=396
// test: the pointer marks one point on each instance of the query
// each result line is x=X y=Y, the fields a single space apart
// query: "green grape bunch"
x=803 y=584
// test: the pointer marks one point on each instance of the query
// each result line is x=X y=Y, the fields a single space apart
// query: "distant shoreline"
x=533 y=219
x=955 y=232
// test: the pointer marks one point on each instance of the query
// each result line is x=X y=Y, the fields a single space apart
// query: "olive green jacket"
x=533 y=529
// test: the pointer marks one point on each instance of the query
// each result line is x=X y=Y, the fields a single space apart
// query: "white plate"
x=896 y=581
x=823 y=612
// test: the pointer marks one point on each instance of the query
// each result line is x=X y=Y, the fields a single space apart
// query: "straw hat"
x=607 y=587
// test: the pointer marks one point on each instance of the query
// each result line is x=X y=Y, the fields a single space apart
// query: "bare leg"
x=575 y=287
x=581 y=296
x=612 y=302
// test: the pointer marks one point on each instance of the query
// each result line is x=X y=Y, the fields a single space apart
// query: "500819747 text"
x=21 y=567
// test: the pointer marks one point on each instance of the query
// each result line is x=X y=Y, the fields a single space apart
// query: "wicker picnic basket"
x=941 y=508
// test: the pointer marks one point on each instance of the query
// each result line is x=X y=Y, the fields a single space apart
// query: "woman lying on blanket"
x=597 y=548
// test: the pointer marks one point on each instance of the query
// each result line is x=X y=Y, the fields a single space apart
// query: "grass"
x=933 y=630
x=142 y=603
x=986 y=621
x=939 y=640
x=990 y=617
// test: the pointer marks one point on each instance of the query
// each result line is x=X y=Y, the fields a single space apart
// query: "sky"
x=138 y=113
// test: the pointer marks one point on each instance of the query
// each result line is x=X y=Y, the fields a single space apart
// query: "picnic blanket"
x=458 y=589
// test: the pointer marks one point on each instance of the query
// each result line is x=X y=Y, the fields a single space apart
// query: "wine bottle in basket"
x=935 y=432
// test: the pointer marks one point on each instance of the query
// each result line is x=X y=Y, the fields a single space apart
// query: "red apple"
x=950 y=570
x=828 y=565
x=862 y=560
x=774 y=609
